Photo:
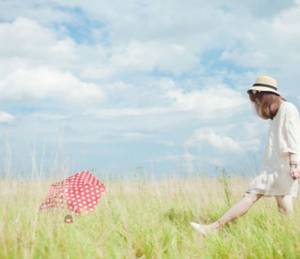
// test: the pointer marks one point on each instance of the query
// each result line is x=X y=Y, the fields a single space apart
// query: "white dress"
x=284 y=138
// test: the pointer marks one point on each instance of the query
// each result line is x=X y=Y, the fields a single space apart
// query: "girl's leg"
x=239 y=208
x=285 y=203
x=234 y=212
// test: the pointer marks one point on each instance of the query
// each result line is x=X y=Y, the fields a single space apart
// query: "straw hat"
x=265 y=84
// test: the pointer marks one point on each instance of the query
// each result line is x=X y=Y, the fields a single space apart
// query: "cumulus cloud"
x=125 y=112
x=44 y=83
x=208 y=102
x=147 y=56
x=6 y=117
x=27 y=42
x=73 y=52
x=271 y=46
x=211 y=138
x=142 y=57
x=47 y=13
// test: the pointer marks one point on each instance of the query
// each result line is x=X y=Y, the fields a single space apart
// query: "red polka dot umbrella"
x=79 y=193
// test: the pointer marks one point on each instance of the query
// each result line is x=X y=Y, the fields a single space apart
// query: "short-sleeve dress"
x=284 y=138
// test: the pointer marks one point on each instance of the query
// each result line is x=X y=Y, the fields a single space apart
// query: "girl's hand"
x=295 y=173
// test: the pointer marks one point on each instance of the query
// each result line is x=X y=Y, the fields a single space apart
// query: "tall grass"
x=146 y=219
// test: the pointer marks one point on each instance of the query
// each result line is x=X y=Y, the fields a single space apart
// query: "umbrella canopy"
x=79 y=192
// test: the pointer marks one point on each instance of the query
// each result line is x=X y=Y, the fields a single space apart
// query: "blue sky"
x=120 y=85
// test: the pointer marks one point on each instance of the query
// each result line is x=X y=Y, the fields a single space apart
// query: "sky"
x=140 y=86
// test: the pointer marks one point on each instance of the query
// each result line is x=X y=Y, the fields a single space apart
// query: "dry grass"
x=138 y=219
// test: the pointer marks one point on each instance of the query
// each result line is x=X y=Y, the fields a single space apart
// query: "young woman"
x=281 y=166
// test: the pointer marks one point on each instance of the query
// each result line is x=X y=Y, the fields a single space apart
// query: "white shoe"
x=202 y=229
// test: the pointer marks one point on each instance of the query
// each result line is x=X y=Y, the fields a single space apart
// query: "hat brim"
x=263 y=89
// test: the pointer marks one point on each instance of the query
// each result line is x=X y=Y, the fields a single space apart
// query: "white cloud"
x=45 y=57
x=271 y=46
x=46 y=12
x=211 y=138
x=6 y=117
x=27 y=44
x=147 y=56
x=250 y=144
x=173 y=106
x=209 y=102
x=97 y=73
x=44 y=83
x=127 y=112
x=35 y=44
x=137 y=57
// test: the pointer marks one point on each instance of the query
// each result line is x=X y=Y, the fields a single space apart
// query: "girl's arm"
x=293 y=159
x=294 y=167
x=291 y=139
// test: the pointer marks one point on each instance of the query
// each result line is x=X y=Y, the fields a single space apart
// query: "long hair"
x=266 y=103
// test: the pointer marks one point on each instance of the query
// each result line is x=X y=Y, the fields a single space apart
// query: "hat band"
x=265 y=85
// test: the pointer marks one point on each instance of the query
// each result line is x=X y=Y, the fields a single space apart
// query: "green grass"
x=146 y=220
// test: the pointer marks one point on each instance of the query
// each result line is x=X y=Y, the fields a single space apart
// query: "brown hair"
x=266 y=103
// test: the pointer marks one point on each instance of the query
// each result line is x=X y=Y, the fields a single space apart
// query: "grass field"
x=146 y=219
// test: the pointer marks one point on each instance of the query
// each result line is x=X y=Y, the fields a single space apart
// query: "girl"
x=281 y=166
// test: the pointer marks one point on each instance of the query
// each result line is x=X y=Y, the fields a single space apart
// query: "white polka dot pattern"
x=80 y=192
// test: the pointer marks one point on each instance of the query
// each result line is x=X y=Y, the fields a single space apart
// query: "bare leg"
x=285 y=204
x=234 y=212
x=238 y=209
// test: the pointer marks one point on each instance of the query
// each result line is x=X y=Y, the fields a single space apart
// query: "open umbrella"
x=79 y=192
